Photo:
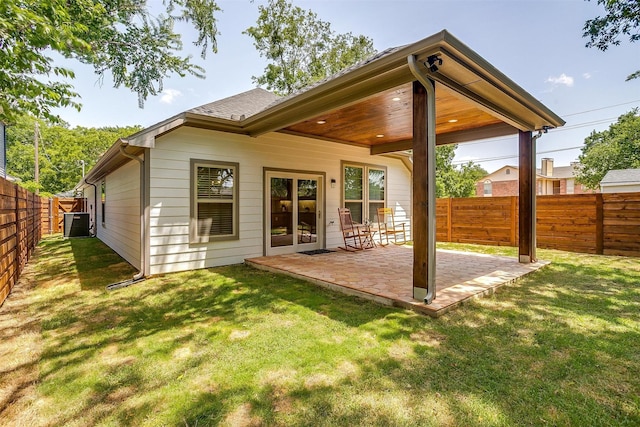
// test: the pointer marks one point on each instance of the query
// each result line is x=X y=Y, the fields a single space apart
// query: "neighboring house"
x=549 y=180
x=621 y=181
x=254 y=174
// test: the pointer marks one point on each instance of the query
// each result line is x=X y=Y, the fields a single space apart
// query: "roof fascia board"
x=111 y=160
x=481 y=102
x=146 y=137
x=332 y=89
x=390 y=71
x=491 y=74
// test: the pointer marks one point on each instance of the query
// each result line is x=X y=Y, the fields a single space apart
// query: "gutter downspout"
x=95 y=206
x=143 y=235
x=428 y=84
x=534 y=193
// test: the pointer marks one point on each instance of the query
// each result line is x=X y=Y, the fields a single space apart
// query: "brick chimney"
x=547 y=167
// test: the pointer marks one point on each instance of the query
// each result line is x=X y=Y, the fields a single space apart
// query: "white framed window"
x=214 y=201
x=488 y=188
x=364 y=190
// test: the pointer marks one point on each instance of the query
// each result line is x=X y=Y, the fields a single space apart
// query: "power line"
x=491 y=159
x=601 y=108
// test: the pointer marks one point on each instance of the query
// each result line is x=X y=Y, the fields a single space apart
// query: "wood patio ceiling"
x=384 y=121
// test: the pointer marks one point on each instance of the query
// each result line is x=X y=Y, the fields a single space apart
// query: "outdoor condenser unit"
x=76 y=224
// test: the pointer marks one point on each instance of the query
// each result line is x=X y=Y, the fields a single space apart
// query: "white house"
x=621 y=181
x=255 y=174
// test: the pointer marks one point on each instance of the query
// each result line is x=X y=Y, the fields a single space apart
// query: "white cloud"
x=169 y=95
x=586 y=76
x=562 y=79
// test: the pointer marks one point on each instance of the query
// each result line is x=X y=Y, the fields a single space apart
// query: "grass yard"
x=240 y=347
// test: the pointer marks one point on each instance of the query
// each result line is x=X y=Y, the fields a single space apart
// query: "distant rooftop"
x=622 y=176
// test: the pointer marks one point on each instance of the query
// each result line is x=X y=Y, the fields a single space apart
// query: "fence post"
x=599 y=224
x=18 y=250
x=449 y=225
x=514 y=222
x=55 y=208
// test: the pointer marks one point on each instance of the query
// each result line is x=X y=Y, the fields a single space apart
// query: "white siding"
x=170 y=249
x=121 y=228
x=620 y=188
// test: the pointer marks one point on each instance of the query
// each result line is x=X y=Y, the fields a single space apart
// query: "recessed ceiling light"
x=321 y=122
x=453 y=121
x=397 y=98
x=379 y=135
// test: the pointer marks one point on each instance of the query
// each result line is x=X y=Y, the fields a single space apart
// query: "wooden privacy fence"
x=53 y=211
x=590 y=223
x=20 y=232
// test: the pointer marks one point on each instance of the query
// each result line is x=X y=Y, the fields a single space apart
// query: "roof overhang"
x=369 y=105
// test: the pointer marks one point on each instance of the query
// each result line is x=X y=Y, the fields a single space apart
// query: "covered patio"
x=385 y=274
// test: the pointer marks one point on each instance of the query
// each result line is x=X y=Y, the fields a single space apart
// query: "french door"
x=293 y=212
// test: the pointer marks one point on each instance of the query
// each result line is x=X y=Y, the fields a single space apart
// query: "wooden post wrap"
x=526 y=187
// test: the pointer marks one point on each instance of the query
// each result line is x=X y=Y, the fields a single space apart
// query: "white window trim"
x=193 y=201
x=484 y=188
x=365 y=187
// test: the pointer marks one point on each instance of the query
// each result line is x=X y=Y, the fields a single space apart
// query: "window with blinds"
x=214 y=203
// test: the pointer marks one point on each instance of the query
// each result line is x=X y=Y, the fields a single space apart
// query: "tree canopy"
x=301 y=48
x=615 y=148
x=622 y=19
x=119 y=38
x=60 y=152
x=452 y=181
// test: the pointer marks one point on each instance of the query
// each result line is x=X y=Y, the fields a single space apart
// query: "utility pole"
x=36 y=174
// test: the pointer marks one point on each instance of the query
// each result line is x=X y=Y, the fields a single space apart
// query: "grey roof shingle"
x=619 y=176
x=246 y=104
x=347 y=70
x=239 y=106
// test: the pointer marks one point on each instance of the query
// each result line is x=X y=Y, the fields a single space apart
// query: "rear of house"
x=256 y=175
x=212 y=198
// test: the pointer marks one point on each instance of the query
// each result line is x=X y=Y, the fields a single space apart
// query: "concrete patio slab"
x=384 y=274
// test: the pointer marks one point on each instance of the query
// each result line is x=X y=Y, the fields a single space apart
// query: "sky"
x=538 y=44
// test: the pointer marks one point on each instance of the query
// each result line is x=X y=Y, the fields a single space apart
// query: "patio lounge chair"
x=387 y=227
x=356 y=236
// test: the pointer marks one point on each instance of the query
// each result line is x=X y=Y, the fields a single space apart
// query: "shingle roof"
x=564 y=171
x=621 y=176
x=347 y=70
x=248 y=103
x=239 y=106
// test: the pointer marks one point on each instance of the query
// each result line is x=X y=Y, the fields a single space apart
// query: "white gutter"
x=143 y=228
x=428 y=84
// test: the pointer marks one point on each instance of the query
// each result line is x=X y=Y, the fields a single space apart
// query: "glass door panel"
x=281 y=212
x=307 y=211
x=294 y=203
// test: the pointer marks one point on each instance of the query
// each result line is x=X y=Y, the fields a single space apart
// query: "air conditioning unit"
x=76 y=224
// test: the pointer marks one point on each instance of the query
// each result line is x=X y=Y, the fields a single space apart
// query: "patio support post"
x=424 y=194
x=527 y=199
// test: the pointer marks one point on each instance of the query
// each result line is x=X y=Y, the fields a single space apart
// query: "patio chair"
x=387 y=227
x=356 y=236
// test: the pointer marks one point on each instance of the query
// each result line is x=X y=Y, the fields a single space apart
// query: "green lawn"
x=236 y=346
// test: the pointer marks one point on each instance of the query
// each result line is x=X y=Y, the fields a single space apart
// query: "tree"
x=454 y=182
x=301 y=48
x=60 y=151
x=121 y=37
x=622 y=19
x=615 y=148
